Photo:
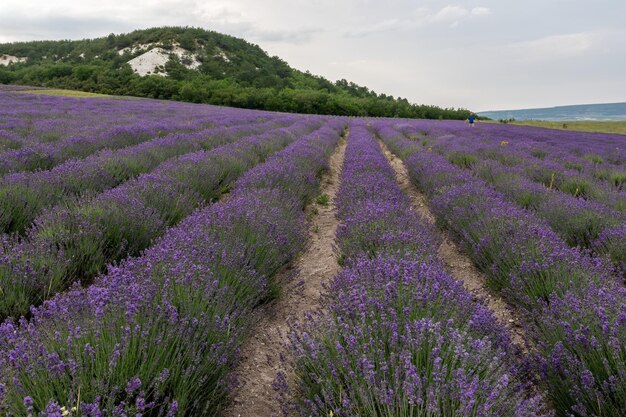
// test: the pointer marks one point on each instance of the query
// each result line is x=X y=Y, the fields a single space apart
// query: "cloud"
x=382 y=26
x=16 y=28
x=78 y=24
x=288 y=36
x=449 y=14
x=557 y=47
x=218 y=11
x=480 y=11
x=455 y=13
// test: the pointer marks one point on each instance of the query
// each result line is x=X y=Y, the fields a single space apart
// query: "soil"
x=457 y=263
x=262 y=355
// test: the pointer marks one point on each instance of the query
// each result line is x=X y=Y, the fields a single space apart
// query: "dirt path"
x=458 y=264
x=261 y=356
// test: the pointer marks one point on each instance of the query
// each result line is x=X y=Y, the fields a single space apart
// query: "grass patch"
x=463 y=160
x=593 y=158
x=618 y=179
x=578 y=187
x=323 y=200
x=64 y=93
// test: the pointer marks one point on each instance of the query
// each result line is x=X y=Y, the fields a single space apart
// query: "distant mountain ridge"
x=196 y=65
x=577 y=112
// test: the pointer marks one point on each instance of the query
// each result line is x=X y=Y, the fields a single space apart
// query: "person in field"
x=471 y=119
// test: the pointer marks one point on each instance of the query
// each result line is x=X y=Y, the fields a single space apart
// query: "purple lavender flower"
x=161 y=332
x=401 y=337
x=573 y=303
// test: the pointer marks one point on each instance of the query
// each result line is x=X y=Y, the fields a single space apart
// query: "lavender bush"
x=159 y=334
x=576 y=219
x=575 y=311
x=46 y=131
x=23 y=195
x=400 y=336
x=75 y=242
x=574 y=207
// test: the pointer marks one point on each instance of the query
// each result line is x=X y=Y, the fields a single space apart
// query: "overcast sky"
x=477 y=54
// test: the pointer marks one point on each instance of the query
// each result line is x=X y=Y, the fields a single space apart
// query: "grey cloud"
x=380 y=27
x=289 y=36
x=59 y=27
x=448 y=15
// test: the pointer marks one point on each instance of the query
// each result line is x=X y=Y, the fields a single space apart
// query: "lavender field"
x=151 y=250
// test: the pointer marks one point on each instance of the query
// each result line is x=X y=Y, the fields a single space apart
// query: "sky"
x=476 y=54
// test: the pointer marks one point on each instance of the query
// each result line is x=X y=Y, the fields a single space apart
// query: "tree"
x=187 y=41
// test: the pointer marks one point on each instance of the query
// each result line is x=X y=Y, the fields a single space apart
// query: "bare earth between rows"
x=261 y=355
x=457 y=263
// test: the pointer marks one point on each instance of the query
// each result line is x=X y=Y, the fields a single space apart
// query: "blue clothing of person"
x=471 y=118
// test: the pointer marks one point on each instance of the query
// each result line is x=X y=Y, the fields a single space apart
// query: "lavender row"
x=159 y=335
x=577 y=220
x=40 y=119
x=47 y=155
x=547 y=173
x=461 y=200
x=23 y=195
x=574 y=307
x=588 y=155
x=89 y=132
x=589 y=174
x=596 y=158
x=75 y=242
x=400 y=336
x=598 y=148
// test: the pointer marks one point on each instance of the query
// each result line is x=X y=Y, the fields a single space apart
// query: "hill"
x=196 y=65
